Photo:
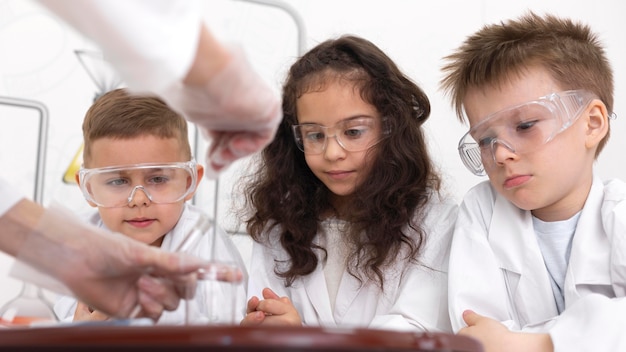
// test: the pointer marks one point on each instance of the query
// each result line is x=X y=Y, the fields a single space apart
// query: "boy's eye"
x=485 y=142
x=156 y=180
x=117 y=182
x=523 y=126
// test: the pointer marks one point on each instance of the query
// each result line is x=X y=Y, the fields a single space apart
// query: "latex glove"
x=236 y=110
x=272 y=310
x=110 y=272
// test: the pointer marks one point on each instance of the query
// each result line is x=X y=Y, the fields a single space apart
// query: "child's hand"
x=85 y=313
x=272 y=310
x=496 y=337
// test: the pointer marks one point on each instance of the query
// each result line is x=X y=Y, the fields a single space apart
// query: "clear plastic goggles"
x=116 y=186
x=522 y=128
x=353 y=135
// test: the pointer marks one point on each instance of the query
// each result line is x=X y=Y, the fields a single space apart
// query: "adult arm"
x=163 y=47
x=120 y=276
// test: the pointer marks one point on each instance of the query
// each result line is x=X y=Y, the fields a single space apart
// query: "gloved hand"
x=110 y=272
x=236 y=109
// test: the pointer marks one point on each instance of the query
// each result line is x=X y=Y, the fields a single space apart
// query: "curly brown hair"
x=283 y=192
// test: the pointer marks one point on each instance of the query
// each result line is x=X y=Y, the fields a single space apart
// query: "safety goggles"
x=522 y=128
x=353 y=135
x=116 y=186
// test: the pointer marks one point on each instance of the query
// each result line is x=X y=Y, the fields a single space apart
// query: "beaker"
x=99 y=70
x=219 y=299
x=29 y=307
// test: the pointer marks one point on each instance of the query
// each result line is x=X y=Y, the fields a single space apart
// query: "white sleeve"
x=593 y=323
x=9 y=196
x=64 y=308
x=420 y=301
x=475 y=284
x=596 y=322
x=151 y=43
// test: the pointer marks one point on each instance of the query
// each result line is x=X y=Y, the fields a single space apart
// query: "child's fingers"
x=269 y=294
x=253 y=302
x=274 y=307
x=470 y=317
x=253 y=319
x=82 y=312
x=85 y=313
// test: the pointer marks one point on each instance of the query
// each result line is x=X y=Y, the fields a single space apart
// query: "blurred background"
x=50 y=75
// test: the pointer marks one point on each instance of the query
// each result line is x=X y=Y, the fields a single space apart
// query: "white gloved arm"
x=162 y=47
x=151 y=43
x=228 y=101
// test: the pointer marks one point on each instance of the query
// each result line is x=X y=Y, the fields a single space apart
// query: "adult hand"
x=137 y=280
x=235 y=108
x=110 y=272
x=272 y=311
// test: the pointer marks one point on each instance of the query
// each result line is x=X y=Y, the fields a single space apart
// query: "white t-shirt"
x=337 y=254
x=555 y=242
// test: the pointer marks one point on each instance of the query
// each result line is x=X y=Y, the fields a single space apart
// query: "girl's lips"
x=516 y=181
x=141 y=223
x=338 y=175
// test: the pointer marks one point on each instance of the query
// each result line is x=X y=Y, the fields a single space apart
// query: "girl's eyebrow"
x=350 y=118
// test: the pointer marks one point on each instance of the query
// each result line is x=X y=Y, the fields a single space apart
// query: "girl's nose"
x=333 y=150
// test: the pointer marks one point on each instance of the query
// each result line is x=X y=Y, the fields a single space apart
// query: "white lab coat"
x=497 y=270
x=225 y=252
x=151 y=43
x=414 y=297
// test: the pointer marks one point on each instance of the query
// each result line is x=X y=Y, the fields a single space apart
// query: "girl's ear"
x=597 y=123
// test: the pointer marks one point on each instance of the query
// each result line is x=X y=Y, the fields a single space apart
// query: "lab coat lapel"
x=349 y=289
x=590 y=257
x=514 y=243
x=316 y=290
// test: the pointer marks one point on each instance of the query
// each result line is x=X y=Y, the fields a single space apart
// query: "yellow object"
x=70 y=174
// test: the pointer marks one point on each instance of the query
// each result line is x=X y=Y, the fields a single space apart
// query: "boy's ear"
x=93 y=205
x=597 y=123
x=200 y=169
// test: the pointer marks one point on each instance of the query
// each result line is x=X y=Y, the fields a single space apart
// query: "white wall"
x=37 y=62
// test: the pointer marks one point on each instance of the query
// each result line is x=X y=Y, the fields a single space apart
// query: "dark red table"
x=227 y=338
